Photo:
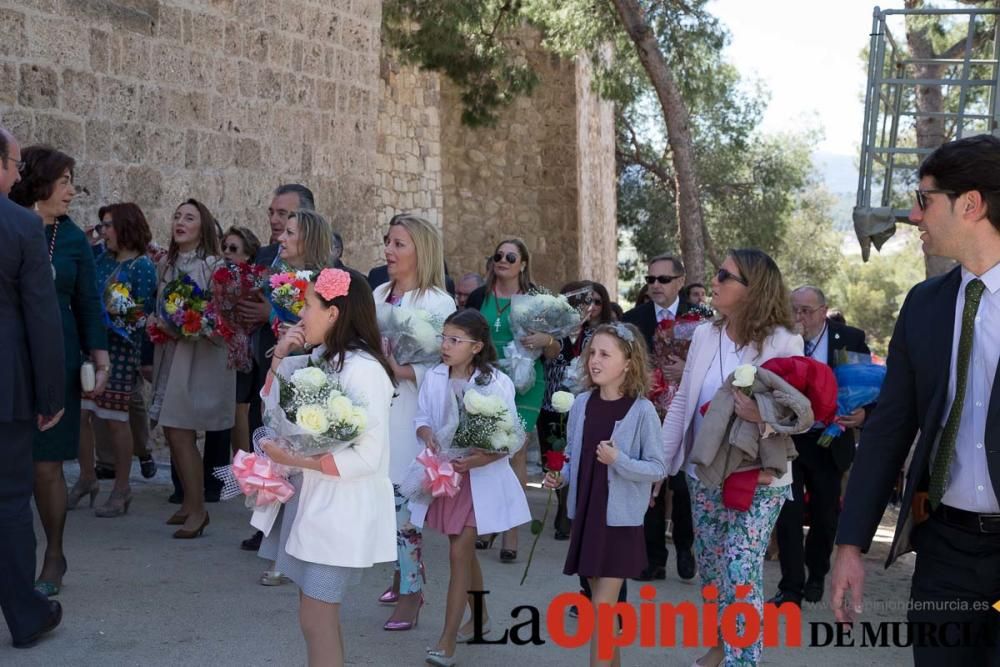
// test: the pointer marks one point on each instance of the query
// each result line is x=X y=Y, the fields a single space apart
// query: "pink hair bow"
x=442 y=478
x=259 y=476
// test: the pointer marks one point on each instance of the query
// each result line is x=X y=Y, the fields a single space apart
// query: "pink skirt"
x=450 y=515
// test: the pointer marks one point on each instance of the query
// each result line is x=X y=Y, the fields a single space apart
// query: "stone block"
x=128 y=143
x=98 y=140
x=8 y=84
x=139 y=16
x=256 y=45
x=39 y=87
x=100 y=51
x=247 y=154
x=232 y=39
x=66 y=134
x=216 y=150
x=145 y=186
x=120 y=99
x=166 y=147
x=280 y=53
x=207 y=31
x=13 y=31
x=80 y=93
x=171 y=23
x=269 y=84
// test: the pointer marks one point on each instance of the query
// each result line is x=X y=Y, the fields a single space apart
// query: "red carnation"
x=554 y=461
x=223 y=276
x=192 y=322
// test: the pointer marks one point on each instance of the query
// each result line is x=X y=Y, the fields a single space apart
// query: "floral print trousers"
x=409 y=545
x=729 y=547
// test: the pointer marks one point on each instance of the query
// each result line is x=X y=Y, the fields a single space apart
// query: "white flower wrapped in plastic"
x=548 y=314
x=412 y=333
x=311 y=411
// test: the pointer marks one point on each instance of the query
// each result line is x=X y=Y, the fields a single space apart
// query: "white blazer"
x=678 y=438
x=402 y=438
x=498 y=498
x=348 y=520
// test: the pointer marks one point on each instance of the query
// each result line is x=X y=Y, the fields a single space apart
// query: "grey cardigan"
x=638 y=466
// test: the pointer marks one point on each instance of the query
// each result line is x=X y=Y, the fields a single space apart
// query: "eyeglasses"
x=723 y=275
x=922 y=196
x=232 y=248
x=803 y=310
x=663 y=280
x=101 y=225
x=454 y=340
x=18 y=164
x=510 y=257
x=596 y=302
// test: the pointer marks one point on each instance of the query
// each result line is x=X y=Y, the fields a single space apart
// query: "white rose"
x=473 y=402
x=501 y=441
x=359 y=419
x=339 y=408
x=562 y=401
x=312 y=418
x=310 y=379
x=493 y=406
x=744 y=375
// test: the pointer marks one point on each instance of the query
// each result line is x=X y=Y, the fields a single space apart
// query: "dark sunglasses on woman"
x=723 y=275
x=510 y=257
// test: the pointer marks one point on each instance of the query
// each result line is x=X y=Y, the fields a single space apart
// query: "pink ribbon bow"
x=258 y=475
x=442 y=478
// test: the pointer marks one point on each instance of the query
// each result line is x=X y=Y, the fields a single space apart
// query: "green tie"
x=946 y=449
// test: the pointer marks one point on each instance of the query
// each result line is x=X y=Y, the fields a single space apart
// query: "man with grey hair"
x=817 y=470
x=465 y=286
x=31 y=397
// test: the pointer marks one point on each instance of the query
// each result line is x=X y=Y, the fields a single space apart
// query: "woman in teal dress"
x=510 y=274
x=124 y=263
x=47 y=187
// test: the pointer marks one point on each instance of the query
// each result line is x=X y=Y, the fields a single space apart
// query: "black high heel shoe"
x=483 y=543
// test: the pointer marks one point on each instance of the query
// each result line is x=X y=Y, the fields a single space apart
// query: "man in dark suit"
x=941 y=389
x=817 y=470
x=31 y=396
x=664 y=280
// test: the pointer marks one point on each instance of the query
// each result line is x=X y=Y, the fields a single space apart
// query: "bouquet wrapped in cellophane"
x=548 y=314
x=232 y=284
x=412 y=333
x=672 y=338
x=124 y=314
x=185 y=311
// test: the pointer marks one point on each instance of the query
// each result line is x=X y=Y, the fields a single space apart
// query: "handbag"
x=738 y=489
x=88 y=377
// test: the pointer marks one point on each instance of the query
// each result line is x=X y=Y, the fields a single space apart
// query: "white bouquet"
x=485 y=422
x=412 y=332
x=535 y=313
x=314 y=413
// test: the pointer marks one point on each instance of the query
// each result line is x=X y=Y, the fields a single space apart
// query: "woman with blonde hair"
x=414 y=256
x=755 y=325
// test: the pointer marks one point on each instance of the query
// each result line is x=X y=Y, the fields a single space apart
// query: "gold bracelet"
x=106 y=369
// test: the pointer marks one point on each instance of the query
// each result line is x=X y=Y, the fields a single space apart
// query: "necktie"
x=946 y=448
x=810 y=347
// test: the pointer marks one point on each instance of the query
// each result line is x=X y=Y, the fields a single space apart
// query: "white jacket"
x=402 y=438
x=498 y=498
x=678 y=438
x=348 y=520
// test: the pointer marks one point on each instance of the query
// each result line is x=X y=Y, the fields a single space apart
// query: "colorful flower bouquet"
x=314 y=413
x=412 y=333
x=185 y=311
x=287 y=295
x=231 y=285
x=123 y=313
x=672 y=338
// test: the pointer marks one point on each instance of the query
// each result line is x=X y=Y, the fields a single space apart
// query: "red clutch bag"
x=738 y=489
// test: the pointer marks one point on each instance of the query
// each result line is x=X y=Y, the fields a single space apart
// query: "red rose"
x=554 y=461
x=192 y=322
x=665 y=324
x=222 y=276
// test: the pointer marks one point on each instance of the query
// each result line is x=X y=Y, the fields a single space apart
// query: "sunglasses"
x=232 y=248
x=663 y=280
x=723 y=275
x=511 y=258
x=596 y=302
x=922 y=196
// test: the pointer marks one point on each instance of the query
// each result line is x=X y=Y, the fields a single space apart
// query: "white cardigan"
x=402 y=438
x=347 y=520
x=678 y=438
x=498 y=498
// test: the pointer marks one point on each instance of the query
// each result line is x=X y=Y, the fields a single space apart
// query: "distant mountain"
x=839 y=174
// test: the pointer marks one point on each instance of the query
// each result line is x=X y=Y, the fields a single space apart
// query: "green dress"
x=82 y=327
x=529 y=403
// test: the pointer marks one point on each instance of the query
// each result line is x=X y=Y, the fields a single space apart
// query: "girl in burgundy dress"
x=490 y=498
x=615 y=456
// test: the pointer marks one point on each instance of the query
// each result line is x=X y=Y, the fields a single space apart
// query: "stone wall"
x=222 y=100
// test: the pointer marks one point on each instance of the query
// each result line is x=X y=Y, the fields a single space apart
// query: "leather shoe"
x=814 y=591
x=785 y=596
x=53 y=621
x=252 y=543
x=651 y=573
x=686 y=567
